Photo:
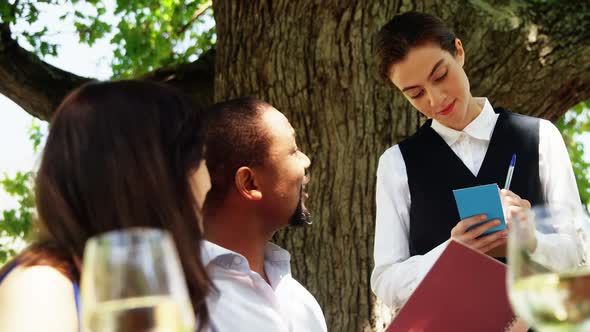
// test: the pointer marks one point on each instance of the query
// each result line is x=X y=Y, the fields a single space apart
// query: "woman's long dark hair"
x=118 y=155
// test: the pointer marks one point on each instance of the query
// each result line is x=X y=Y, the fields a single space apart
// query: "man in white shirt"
x=258 y=176
x=465 y=143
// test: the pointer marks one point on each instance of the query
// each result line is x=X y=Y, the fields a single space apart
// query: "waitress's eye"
x=416 y=94
x=441 y=77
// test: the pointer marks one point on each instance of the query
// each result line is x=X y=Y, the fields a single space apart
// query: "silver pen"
x=510 y=171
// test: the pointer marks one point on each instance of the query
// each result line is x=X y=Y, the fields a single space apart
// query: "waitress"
x=465 y=142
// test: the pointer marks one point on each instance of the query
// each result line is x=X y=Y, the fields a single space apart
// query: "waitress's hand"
x=517 y=208
x=513 y=204
x=470 y=237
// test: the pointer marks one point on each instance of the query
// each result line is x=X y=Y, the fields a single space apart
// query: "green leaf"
x=33 y=14
x=573 y=123
x=35 y=135
x=6 y=12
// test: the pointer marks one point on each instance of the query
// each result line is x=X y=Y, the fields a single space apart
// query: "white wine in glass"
x=132 y=281
x=548 y=271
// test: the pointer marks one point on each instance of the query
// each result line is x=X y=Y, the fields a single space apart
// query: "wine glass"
x=132 y=281
x=548 y=268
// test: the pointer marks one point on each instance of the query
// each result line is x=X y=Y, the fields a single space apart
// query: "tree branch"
x=33 y=84
x=200 y=11
x=39 y=87
x=195 y=78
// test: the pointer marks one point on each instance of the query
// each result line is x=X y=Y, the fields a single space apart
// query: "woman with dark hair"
x=465 y=142
x=118 y=155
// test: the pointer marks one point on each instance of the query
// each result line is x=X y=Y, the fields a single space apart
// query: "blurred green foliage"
x=573 y=124
x=15 y=223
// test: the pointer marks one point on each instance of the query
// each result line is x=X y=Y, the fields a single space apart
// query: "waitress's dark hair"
x=118 y=155
x=406 y=31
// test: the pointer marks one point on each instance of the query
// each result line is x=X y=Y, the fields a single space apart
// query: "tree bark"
x=195 y=79
x=314 y=61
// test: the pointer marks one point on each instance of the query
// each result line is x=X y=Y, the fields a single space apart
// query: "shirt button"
x=237 y=260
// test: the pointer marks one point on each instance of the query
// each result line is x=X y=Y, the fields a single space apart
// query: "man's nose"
x=306 y=160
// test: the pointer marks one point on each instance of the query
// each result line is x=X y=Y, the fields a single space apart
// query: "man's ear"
x=246 y=184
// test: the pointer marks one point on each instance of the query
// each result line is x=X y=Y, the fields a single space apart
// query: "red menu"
x=464 y=291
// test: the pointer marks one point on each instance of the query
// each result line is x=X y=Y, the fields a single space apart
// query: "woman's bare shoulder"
x=37 y=297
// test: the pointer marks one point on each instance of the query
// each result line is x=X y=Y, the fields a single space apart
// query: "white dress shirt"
x=244 y=301
x=396 y=274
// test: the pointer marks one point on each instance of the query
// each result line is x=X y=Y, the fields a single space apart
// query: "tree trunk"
x=314 y=61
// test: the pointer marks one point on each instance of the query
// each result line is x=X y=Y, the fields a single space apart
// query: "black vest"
x=434 y=171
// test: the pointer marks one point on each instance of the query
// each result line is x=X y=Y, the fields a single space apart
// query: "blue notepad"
x=483 y=199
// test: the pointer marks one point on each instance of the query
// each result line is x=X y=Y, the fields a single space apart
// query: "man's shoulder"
x=302 y=292
x=303 y=296
x=211 y=251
